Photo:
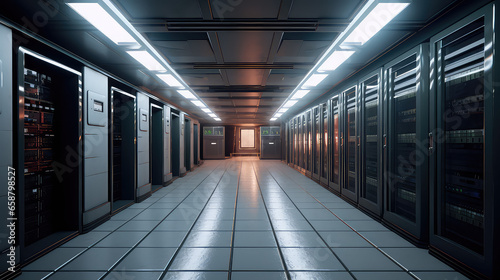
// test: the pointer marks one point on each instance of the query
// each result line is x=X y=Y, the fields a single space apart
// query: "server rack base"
x=455 y=264
x=46 y=245
x=92 y=225
x=424 y=244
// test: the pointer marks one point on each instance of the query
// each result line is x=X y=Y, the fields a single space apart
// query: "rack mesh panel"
x=370 y=162
x=350 y=96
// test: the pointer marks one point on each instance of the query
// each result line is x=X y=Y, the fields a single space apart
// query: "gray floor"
x=243 y=219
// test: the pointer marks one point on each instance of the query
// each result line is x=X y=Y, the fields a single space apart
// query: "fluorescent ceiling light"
x=300 y=93
x=206 y=110
x=282 y=110
x=314 y=80
x=273 y=119
x=198 y=103
x=187 y=94
x=380 y=16
x=213 y=115
x=289 y=103
x=335 y=60
x=277 y=115
x=104 y=22
x=170 y=80
x=147 y=60
x=217 y=119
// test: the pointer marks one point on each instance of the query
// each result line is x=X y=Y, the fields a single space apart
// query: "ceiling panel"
x=246 y=110
x=247 y=77
x=230 y=9
x=246 y=102
x=191 y=51
x=245 y=46
x=162 y=9
x=323 y=8
x=203 y=79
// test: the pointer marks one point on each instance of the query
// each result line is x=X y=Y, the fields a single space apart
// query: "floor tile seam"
x=233 y=231
x=282 y=258
x=167 y=268
x=358 y=233
x=137 y=243
x=268 y=170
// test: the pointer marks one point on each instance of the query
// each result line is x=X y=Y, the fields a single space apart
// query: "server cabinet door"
x=301 y=143
x=463 y=215
x=309 y=143
x=316 y=142
x=324 y=144
x=370 y=194
x=334 y=152
x=406 y=176
x=350 y=152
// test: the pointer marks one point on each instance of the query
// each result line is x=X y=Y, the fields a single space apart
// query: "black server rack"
x=309 y=143
x=334 y=145
x=50 y=130
x=123 y=156
x=464 y=217
x=304 y=143
x=213 y=142
x=301 y=134
x=270 y=142
x=295 y=142
x=405 y=137
x=350 y=144
x=316 y=147
x=370 y=144
x=290 y=143
x=323 y=172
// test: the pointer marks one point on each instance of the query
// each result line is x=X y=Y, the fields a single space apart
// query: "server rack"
x=304 y=143
x=370 y=145
x=156 y=142
x=350 y=144
x=316 y=149
x=300 y=165
x=270 y=142
x=290 y=143
x=49 y=135
x=309 y=143
x=188 y=143
x=213 y=142
x=123 y=147
x=405 y=135
x=323 y=172
x=464 y=218
x=334 y=144
x=295 y=143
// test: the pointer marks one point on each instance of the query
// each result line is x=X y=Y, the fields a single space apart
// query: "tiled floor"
x=240 y=219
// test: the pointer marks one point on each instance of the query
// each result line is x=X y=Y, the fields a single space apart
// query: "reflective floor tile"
x=164 y=205
x=314 y=275
x=206 y=275
x=183 y=214
x=147 y=259
x=53 y=260
x=367 y=226
x=152 y=215
x=121 y=239
x=256 y=259
x=318 y=214
x=138 y=226
x=386 y=239
x=209 y=239
x=86 y=240
x=299 y=239
x=296 y=224
x=285 y=214
x=344 y=239
x=213 y=225
x=168 y=225
x=330 y=225
x=163 y=239
x=245 y=275
x=309 y=205
x=311 y=259
x=368 y=259
x=251 y=214
x=416 y=259
x=254 y=239
x=27 y=275
x=77 y=276
x=96 y=259
x=253 y=225
x=202 y=259
x=126 y=214
x=110 y=226
x=351 y=215
x=141 y=205
x=440 y=275
x=132 y=275
x=217 y=214
x=373 y=275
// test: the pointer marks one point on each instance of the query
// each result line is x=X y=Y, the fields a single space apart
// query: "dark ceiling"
x=242 y=57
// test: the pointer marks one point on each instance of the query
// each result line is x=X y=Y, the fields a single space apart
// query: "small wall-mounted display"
x=95 y=109
x=143 y=126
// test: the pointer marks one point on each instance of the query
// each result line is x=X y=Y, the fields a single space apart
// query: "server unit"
x=316 y=147
x=349 y=142
x=323 y=172
x=50 y=130
x=405 y=135
x=301 y=143
x=334 y=145
x=270 y=142
x=308 y=143
x=370 y=144
x=156 y=142
x=464 y=218
x=296 y=142
x=213 y=142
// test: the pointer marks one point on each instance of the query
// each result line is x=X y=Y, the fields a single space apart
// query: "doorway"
x=187 y=144
x=176 y=145
x=195 y=143
x=247 y=141
x=156 y=147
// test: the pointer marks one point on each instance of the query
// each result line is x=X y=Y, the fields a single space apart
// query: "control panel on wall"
x=167 y=124
x=144 y=124
x=96 y=104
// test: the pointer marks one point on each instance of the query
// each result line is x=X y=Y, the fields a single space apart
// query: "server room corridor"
x=240 y=219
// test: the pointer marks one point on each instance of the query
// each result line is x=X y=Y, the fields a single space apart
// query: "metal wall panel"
x=143 y=174
x=167 y=169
